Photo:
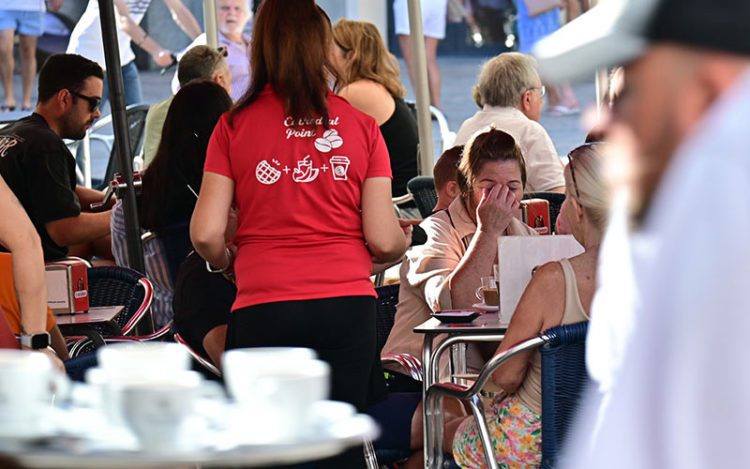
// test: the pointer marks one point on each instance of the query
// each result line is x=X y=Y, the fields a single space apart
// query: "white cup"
x=110 y=388
x=157 y=411
x=275 y=390
x=28 y=384
x=144 y=358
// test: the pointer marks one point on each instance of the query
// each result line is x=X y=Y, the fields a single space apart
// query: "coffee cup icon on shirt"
x=339 y=167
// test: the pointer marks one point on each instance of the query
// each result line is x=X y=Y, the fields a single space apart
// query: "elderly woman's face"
x=232 y=15
x=493 y=173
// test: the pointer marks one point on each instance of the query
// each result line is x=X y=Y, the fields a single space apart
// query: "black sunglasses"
x=93 y=101
x=223 y=51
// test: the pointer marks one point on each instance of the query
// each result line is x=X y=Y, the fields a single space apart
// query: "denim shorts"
x=30 y=23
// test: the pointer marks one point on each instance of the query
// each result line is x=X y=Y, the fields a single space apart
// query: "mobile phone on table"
x=455 y=315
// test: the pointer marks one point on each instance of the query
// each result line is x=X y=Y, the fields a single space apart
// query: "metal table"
x=485 y=328
x=316 y=447
x=82 y=323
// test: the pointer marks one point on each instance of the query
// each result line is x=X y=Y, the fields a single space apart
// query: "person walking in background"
x=532 y=27
x=231 y=17
x=310 y=177
x=433 y=27
x=25 y=17
x=369 y=80
x=86 y=40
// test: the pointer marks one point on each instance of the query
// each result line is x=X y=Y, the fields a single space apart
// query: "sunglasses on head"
x=93 y=101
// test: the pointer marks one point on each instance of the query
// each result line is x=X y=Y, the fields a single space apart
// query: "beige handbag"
x=537 y=7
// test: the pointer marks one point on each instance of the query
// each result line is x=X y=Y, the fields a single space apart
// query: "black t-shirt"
x=40 y=170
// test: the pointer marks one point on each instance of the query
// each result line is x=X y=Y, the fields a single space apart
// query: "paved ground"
x=459 y=75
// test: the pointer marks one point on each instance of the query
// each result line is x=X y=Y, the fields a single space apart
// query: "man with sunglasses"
x=39 y=168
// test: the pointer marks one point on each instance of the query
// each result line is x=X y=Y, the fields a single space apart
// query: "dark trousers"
x=341 y=330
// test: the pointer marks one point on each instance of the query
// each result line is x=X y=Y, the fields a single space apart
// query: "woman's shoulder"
x=364 y=87
x=548 y=275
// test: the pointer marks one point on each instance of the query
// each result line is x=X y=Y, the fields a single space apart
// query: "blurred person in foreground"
x=23 y=290
x=665 y=345
x=231 y=16
x=311 y=180
x=199 y=63
x=511 y=95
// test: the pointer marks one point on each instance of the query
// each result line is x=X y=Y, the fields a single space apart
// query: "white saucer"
x=484 y=308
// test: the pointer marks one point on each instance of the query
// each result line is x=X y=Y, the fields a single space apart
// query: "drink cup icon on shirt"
x=340 y=167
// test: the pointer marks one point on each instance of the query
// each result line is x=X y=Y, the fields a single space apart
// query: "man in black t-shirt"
x=39 y=168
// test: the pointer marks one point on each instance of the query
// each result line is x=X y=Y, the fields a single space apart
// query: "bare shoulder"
x=547 y=276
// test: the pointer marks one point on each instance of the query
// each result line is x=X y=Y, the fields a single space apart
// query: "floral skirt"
x=516 y=433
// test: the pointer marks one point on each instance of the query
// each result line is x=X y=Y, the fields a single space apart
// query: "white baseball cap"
x=617 y=31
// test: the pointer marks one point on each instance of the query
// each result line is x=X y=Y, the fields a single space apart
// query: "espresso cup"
x=144 y=358
x=28 y=385
x=157 y=411
x=280 y=392
x=488 y=292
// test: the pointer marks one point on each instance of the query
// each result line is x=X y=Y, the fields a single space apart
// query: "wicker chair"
x=422 y=188
x=136 y=117
x=555 y=200
x=114 y=286
x=563 y=350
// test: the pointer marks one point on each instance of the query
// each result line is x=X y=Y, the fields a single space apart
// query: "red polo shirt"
x=298 y=190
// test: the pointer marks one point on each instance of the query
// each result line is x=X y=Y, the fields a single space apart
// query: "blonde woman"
x=559 y=293
x=369 y=80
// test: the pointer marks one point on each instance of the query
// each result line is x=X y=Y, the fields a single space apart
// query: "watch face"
x=39 y=341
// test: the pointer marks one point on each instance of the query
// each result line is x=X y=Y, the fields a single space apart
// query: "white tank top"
x=86 y=39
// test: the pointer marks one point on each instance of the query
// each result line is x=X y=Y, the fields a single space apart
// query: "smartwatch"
x=36 y=341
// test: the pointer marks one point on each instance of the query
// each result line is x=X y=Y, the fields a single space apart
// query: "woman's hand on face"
x=496 y=209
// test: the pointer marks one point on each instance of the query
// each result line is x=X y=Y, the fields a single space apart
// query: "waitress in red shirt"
x=311 y=181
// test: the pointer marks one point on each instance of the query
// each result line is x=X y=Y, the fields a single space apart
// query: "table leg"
x=427 y=381
x=458 y=363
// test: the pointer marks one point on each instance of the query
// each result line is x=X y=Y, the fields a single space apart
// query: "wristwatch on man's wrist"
x=35 y=341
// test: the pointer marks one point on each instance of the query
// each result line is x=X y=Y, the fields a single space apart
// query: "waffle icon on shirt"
x=266 y=174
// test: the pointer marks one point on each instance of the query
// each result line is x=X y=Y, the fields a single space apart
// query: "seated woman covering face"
x=369 y=80
x=559 y=293
x=170 y=187
x=461 y=243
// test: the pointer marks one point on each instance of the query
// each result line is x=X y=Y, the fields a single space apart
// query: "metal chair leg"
x=484 y=434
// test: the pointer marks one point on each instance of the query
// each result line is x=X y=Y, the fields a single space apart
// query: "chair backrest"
x=121 y=286
x=386 y=312
x=555 y=200
x=425 y=195
x=564 y=379
x=136 y=116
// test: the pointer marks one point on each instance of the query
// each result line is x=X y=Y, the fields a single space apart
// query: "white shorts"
x=433 y=17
